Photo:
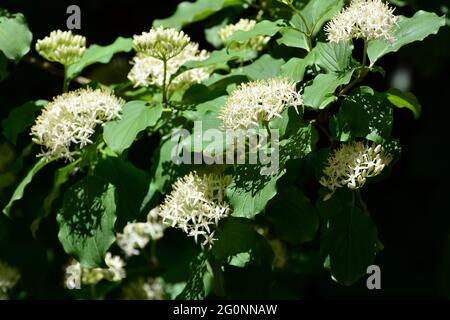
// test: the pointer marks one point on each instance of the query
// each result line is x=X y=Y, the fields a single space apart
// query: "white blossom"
x=161 y=43
x=9 y=276
x=136 y=235
x=75 y=274
x=144 y=289
x=149 y=71
x=62 y=46
x=255 y=43
x=352 y=164
x=196 y=204
x=70 y=119
x=366 y=19
x=256 y=101
x=116 y=268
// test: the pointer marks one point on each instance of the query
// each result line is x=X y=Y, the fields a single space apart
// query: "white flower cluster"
x=260 y=100
x=62 y=46
x=149 y=71
x=71 y=119
x=77 y=275
x=366 y=19
x=9 y=277
x=196 y=204
x=136 y=235
x=255 y=43
x=352 y=164
x=161 y=43
x=144 y=289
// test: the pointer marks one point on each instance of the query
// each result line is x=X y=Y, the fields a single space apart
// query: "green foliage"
x=20 y=189
x=262 y=28
x=86 y=221
x=21 y=118
x=250 y=191
x=99 y=54
x=350 y=243
x=237 y=238
x=294 y=218
x=416 y=28
x=279 y=236
x=363 y=114
x=189 y=12
x=320 y=94
x=136 y=117
x=15 y=37
x=404 y=100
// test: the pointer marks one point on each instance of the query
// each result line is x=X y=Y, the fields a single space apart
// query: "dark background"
x=411 y=208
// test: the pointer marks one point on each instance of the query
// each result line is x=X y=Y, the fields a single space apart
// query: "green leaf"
x=300 y=143
x=316 y=13
x=293 y=38
x=201 y=109
x=295 y=69
x=294 y=217
x=333 y=57
x=21 y=118
x=164 y=170
x=219 y=57
x=363 y=114
x=212 y=33
x=404 y=100
x=136 y=116
x=320 y=94
x=15 y=37
x=86 y=221
x=237 y=237
x=131 y=186
x=197 y=287
x=250 y=190
x=262 y=28
x=61 y=176
x=18 y=193
x=99 y=54
x=350 y=242
x=408 y=30
x=263 y=68
x=190 y=12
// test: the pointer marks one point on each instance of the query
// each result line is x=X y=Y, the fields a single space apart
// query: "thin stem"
x=364 y=59
x=361 y=75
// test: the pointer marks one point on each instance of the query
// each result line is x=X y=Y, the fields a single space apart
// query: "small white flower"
x=9 y=277
x=352 y=164
x=62 y=46
x=196 y=204
x=116 y=268
x=136 y=235
x=71 y=119
x=256 y=101
x=161 y=43
x=149 y=71
x=366 y=19
x=256 y=43
x=144 y=289
x=75 y=275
